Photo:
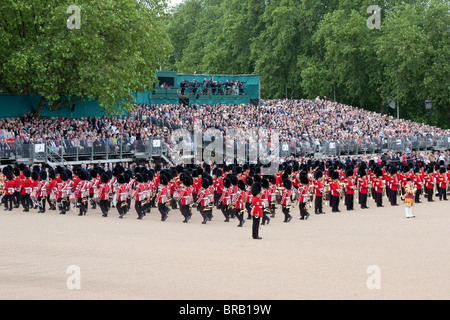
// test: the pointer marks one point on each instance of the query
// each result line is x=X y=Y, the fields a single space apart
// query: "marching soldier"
x=318 y=190
x=62 y=193
x=239 y=203
x=248 y=200
x=349 y=189
x=286 y=199
x=335 y=190
x=139 y=196
x=185 y=196
x=225 y=199
x=257 y=210
x=27 y=188
x=429 y=184
x=265 y=198
x=105 y=190
x=378 y=188
x=121 y=195
x=162 y=197
x=442 y=181
x=303 y=196
x=203 y=200
x=417 y=183
x=9 y=190
x=42 y=190
x=363 y=185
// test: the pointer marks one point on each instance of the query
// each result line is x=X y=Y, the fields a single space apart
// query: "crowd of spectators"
x=311 y=121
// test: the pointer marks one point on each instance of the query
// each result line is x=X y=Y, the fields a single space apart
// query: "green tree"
x=116 y=51
x=414 y=49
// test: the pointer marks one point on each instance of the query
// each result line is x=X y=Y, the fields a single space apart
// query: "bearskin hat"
x=256 y=189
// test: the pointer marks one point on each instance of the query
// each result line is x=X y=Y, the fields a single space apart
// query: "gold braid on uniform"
x=409 y=202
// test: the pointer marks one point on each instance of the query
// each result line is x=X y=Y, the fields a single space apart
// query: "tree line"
x=310 y=48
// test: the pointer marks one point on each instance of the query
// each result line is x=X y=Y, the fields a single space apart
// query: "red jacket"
x=27 y=187
x=257 y=207
x=9 y=187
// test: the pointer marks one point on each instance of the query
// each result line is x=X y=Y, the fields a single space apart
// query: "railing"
x=69 y=150
x=64 y=151
x=183 y=149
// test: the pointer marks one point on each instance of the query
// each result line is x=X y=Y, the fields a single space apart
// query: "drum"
x=97 y=196
x=53 y=197
x=73 y=198
x=33 y=196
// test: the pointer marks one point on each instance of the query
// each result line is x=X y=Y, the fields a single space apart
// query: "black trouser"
x=173 y=204
x=205 y=212
x=417 y=196
x=393 y=197
x=430 y=194
x=272 y=209
x=91 y=199
x=16 y=199
x=303 y=212
x=286 y=210
x=51 y=204
x=239 y=213
x=185 y=211
x=225 y=211
x=255 y=227
x=83 y=205
x=379 y=198
x=349 y=201
x=60 y=202
x=152 y=202
x=163 y=210
x=66 y=204
x=41 y=201
x=335 y=203
x=318 y=204
x=25 y=200
x=122 y=207
x=442 y=193
x=139 y=208
x=8 y=198
x=104 y=206
x=363 y=200
x=217 y=197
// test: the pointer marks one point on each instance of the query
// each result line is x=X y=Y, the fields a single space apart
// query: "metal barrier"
x=69 y=150
x=337 y=148
x=78 y=150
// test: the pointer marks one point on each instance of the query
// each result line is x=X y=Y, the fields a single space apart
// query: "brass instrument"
x=169 y=200
x=326 y=191
x=311 y=192
x=342 y=191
